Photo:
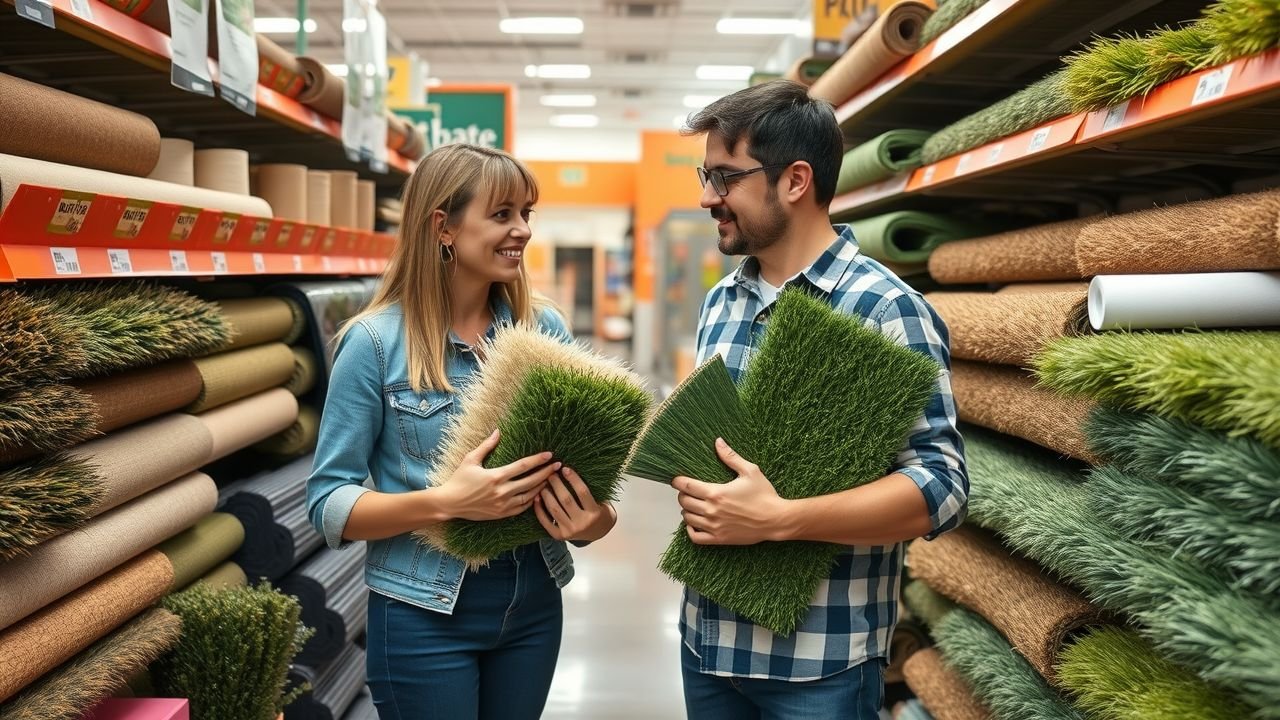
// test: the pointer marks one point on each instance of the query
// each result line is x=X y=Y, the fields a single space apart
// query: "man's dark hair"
x=782 y=124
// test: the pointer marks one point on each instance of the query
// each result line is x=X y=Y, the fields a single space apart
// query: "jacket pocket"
x=421 y=418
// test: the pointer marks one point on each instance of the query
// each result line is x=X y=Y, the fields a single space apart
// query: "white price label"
x=65 y=261
x=328 y=264
x=929 y=173
x=1115 y=117
x=120 y=261
x=178 y=261
x=297 y=263
x=259 y=263
x=963 y=163
x=82 y=8
x=1039 y=139
x=219 y=262
x=1212 y=85
x=993 y=155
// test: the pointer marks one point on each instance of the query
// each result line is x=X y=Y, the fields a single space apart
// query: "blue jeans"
x=855 y=694
x=493 y=658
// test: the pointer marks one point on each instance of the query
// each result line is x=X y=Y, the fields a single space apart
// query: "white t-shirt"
x=769 y=293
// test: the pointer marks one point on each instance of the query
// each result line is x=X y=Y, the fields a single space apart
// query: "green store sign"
x=479 y=115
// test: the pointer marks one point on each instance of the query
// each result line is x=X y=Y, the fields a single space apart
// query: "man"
x=773 y=155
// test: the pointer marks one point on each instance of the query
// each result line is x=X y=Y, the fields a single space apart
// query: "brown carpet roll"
x=67 y=562
x=48 y=124
x=133 y=462
x=284 y=186
x=202 y=547
x=1238 y=232
x=807 y=70
x=1032 y=610
x=306 y=370
x=299 y=439
x=226 y=575
x=230 y=376
x=319 y=190
x=245 y=422
x=299 y=326
x=53 y=635
x=322 y=89
x=366 y=201
x=944 y=693
x=278 y=69
x=1042 y=252
x=256 y=321
x=1044 y=287
x=1006 y=399
x=1009 y=329
x=223 y=169
x=343 y=203
x=895 y=35
x=177 y=163
x=138 y=395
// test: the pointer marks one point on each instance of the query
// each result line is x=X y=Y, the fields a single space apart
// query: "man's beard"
x=752 y=237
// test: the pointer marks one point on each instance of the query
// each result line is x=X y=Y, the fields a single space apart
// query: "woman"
x=444 y=642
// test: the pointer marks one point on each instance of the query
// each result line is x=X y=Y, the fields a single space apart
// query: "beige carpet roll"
x=223 y=169
x=15 y=171
x=69 y=561
x=895 y=35
x=55 y=634
x=306 y=371
x=1006 y=399
x=299 y=439
x=202 y=547
x=133 y=462
x=944 y=693
x=1237 y=232
x=1042 y=252
x=1009 y=329
x=137 y=395
x=807 y=70
x=245 y=422
x=319 y=200
x=299 y=327
x=284 y=186
x=41 y=122
x=177 y=163
x=1079 y=286
x=238 y=374
x=366 y=201
x=322 y=89
x=343 y=205
x=1032 y=610
x=226 y=575
x=278 y=69
x=256 y=321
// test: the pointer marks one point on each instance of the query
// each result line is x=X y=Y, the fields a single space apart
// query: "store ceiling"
x=643 y=54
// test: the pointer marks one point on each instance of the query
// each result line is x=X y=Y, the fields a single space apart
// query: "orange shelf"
x=870 y=194
x=1052 y=138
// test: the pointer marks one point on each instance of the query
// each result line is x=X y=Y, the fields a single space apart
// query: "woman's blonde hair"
x=450 y=178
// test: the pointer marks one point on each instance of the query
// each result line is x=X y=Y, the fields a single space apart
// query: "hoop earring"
x=447 y=254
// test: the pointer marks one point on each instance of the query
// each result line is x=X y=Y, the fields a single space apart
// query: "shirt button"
x=422 y=405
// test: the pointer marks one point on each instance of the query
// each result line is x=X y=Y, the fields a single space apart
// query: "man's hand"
x=744 y=511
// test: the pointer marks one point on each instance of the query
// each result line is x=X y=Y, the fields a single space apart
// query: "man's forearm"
x=888 y=511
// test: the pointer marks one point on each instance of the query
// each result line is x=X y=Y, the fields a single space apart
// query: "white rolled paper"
x=1201 y=300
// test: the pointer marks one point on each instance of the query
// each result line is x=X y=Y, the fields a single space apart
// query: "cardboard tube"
x=323 y=90
x=342 y=199
x=284 y=185
x=224 y=169
x=319 y=189
x=177 y=162
x=366 y=199
x=895 y=35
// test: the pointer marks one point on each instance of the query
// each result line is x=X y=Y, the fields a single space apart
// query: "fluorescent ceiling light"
x=339 y=69
x=281 y=25
x=761 y=26
x=355 y=25
x=724 y=72
x=568 y=101
x=697 y=102
x=541 y=26
x=575 y=121
x=558 y=72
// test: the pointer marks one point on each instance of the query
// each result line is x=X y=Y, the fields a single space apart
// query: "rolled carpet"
x=362 y=708
x=202 y=547
x=74 y=688
x=1187 y=300
x=322 y=89
x=1038 y=253
x=1237 y=232
x=278 y=69
x=226 y=575
x=256 y=321
x=26 y=584
x=807 y=70
x=49 y=124
x=1044 y=287
x=330 y=587
x=137 y=395
x=43 y=498
x=1008 y=400
x=945 y=694
x=333 y=686
x=1009 y=329
x=298 y=325
x=948 y=14
x=907 y=236
x=230 y=376
x=925 y=603
x=306 y=371
x=244 y=422
x=327 y=306
x=893 y=36
x=44 y=418
x=56 y=633
x=1036 y=613
x=132 y=462
x=881 y=158
x=272 y=506
x=298 y=439
x=15 y=171
x=1032 y=106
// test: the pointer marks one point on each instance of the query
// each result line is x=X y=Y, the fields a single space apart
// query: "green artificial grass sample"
x=1114 y=674
x=1025 y=109
x=1241 y=472
x=588 y=421
x=234 y=656
x=1219 y=380
x=44 y=418
x=1001 y=678
x=43 y=498
x=1238 y=28
x=1112 y=70
x=927 y=604
x=946 y=16
x=828 y=402
x=881 y=158
x=35 y=346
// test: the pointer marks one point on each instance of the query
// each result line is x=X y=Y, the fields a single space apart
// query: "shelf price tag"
x=962 y=165
x=259 y=232
x=993 y=155
x=929 y=172
x=328 y=264
x=83 y=9
x=132 y=220
x=1115 y=117
x=65 y=261
x=1039 y=139
x=226 y=226
x=69 y=216
x=40 y=11
x=259 y=263
x=297 y=263
x=120 y=262
x=178 y=261
x=184 y=224
x=1212 y=85
x=219 y=262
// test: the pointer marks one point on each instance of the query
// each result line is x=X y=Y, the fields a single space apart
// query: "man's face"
x=750 y=216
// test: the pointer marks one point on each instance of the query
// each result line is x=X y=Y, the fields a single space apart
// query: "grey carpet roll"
x=330 y=587
x=327 y=305
x=272 y=506
x=334 y=687
x=362 y=708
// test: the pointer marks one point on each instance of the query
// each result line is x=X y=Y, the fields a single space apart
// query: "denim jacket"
x=375 y=426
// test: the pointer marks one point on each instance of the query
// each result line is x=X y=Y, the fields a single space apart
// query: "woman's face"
x=489 y=242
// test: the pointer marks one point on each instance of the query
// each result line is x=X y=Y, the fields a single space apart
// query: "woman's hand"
x=565 y=518
x=475 y=492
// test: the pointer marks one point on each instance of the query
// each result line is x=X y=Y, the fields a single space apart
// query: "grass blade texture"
x=1239 y=28
x=946 y=16
x=1116 y=675
x=1219 y=380
x=1238 y=472
x=1190 y=613
x=34 y=345
x=927 y=604
x=830 y=402
x=43 y=498
x=45 y=418
x=1025 y=109
x=70 y=691
x=1001 y=678
x=1112 y=70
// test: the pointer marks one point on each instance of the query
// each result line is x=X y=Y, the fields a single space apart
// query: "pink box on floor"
x=141 y=709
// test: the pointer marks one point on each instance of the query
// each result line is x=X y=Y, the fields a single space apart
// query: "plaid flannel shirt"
x=854 y=611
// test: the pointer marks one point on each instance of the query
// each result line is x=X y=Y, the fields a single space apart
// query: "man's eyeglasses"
x=719 y=179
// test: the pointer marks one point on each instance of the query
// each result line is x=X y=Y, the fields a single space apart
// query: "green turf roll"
x=1238 y=28
x=908 y=236
x=1025 y=109
x=947 y=15
x=927 y=604
x=881 y=158
x=1112 y=70
x=202 y=547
